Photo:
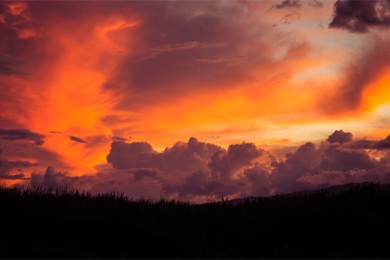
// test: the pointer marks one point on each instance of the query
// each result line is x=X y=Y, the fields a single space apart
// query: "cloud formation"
x=21 y=134
x=52 y=179
x=158 y=71
x=383 y=144
x=10 y=65
x=339 y=136
x=77 y=139
x=225 y=163
x=7 y=167
x=181 y=157
x=361 y=16
x=364 y=70
x=200 y=171
x=288 y=4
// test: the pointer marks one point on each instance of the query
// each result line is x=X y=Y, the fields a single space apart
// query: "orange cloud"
x=74 y=100
x=17 y=8
x=377 y=93
x=164 y=71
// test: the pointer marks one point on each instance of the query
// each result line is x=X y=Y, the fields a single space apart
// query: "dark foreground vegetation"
x=347 y=224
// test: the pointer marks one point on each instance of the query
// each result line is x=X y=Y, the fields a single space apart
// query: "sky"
x=194 y=100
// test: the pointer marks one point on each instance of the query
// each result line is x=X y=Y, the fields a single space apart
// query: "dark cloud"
x=364 y=69
x=186 y=170
x=22 y=164
x=362 y=144
x=52 y=179
x=21 y=134
x=27 y=151
x=258 y=181
x=140 y=183
x=370 y=144
x=337 y=159
x=199 y=171
x=310 y=166
x=19 y=176
x=10 y=65
x=77 y=139
x=339 y=136
x=7 y=166
x=360 y=16
x=207 y=45
x=302 y=162
x=190 y=156
x=222 y=177
x=172 y=36
x=203 y=184
x=288 y=4
x=225 y=163
x=383 y=144
x=129 y=155
x=16 y=19
x=140 y=174
x=94 y=141
x=120 y=139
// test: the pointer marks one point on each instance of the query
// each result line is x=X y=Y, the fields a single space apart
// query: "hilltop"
x=345 y=224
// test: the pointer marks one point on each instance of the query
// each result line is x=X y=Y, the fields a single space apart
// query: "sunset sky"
x=194 y=100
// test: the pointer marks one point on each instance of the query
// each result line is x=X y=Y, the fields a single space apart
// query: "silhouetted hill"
x=350 y=223
x=332 y=190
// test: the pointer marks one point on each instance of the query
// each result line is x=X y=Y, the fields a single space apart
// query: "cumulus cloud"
x=338 y=159
x=222 y=175
x=383 y=144
x=139 y=183
x=197 y=184
x=187 y=170
x=360 y=16
x=257 y=180
x=199 y=171
x=21 y=134
x=52 y=179
x=129 y=155
x=302 y=162
x=310 y=166
x=339 y=136
x=362 y=144
x=225 y=163
x=190 y=156
x=140 y=174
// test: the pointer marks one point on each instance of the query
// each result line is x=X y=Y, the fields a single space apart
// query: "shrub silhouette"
x=36 y=223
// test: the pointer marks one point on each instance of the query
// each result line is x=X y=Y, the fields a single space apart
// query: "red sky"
x=78 y=76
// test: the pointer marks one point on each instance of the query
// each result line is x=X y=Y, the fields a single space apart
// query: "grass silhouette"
x=36 y=223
